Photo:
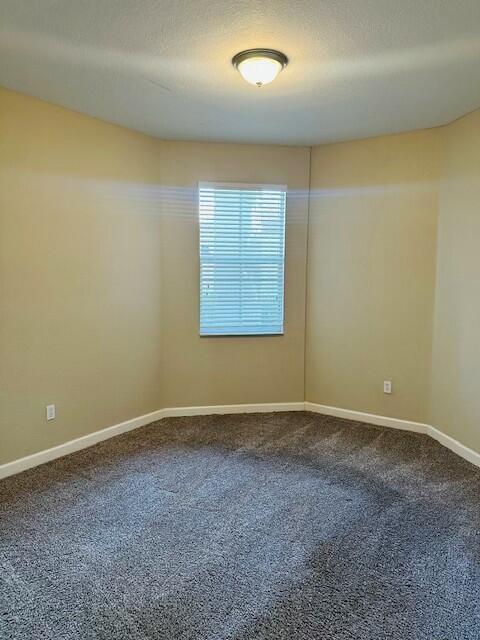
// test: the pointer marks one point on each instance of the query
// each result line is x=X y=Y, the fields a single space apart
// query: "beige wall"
x=206 y=371
x=99 y=277
x=372 y=239
x=455 y=398
x=80 y=321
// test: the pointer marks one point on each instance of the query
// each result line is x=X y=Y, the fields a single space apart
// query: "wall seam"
x=306 y=276
x=428 y=413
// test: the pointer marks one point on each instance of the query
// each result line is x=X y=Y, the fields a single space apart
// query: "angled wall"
x=371 y=273
x=393 y=277
x=455 y=391
x=80 y=285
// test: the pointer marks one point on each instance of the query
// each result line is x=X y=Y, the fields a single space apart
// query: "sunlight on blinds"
x=242 y=256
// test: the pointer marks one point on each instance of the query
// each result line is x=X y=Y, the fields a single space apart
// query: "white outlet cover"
x=50 y=412
x=387 y=386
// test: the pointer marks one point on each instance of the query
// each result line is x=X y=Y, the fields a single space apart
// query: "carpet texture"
x=265 y=526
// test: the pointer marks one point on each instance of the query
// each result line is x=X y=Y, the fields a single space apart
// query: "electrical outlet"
x=50 y=412
x=387 y=386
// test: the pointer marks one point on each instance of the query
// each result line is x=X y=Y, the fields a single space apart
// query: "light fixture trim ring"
x=273 y=54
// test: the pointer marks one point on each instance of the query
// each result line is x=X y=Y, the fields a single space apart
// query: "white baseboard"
x=395 y=423
x=369 y=418
x=36 y=459
x=457 y=447
x=233 y=408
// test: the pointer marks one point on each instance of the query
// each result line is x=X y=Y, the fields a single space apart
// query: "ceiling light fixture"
x=259 y=66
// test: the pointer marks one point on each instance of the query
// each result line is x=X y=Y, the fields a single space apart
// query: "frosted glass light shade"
x=259 y=66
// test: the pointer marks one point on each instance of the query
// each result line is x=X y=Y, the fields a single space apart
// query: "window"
x=242 y=259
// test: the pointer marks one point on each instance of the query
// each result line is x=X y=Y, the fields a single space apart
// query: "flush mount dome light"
x=259 y=66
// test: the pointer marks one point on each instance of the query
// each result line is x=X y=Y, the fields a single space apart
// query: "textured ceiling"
x=358 y=67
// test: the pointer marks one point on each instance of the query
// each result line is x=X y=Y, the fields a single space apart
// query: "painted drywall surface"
x=80 y=280
x=84 y=209
x=229 y=370
x=455 y=396
x=371 y=254
x=95 y=219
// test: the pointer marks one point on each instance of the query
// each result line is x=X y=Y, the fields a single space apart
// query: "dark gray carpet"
x=266 y=526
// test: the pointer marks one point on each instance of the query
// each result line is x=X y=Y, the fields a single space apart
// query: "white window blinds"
x=242 y=256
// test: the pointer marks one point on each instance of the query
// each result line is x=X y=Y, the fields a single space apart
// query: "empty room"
x=239 y=320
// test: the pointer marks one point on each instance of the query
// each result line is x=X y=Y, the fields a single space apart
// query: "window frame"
x=283 y=188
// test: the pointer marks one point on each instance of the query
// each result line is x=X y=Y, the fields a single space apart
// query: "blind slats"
x=242 y=256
